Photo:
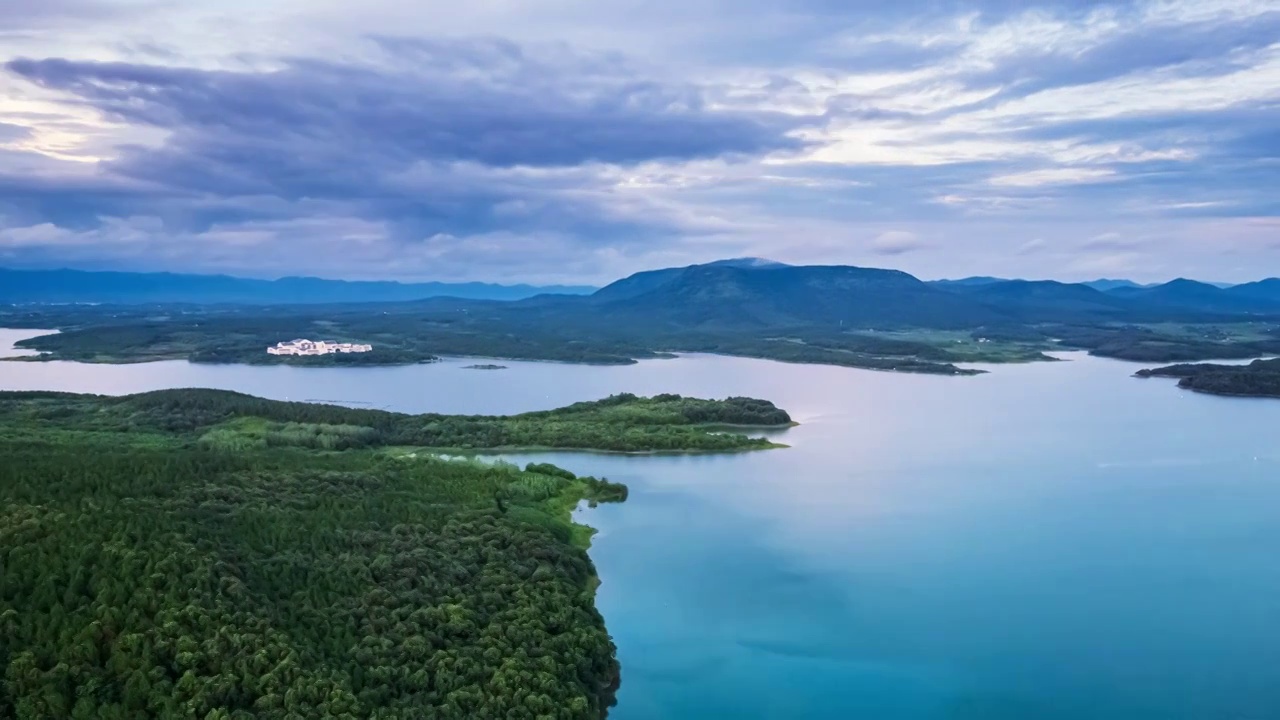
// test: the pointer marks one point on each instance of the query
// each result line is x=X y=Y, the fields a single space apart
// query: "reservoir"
x=1049 y=541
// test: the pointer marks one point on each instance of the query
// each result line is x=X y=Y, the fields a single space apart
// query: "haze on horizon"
x=572 y=141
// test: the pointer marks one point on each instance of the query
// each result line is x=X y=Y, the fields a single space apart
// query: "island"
x=1260 y=378
x=209 y=554
x=485 y=366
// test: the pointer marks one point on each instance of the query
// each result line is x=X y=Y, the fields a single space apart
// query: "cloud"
x=1030 y=247
x=595 y=138
x=896 y=242
x=23 y=16
x=1112 y=242
x=11 y=133
x=482 y=101
x=432 y=138
x=1054 y=176
x=1113 y=264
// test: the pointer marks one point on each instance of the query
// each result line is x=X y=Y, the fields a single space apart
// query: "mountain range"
x=742 y=295
x=77 y=286
x=734 y=294
x=841 y=315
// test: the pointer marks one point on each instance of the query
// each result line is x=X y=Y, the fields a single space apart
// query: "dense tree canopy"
x=193 y=554
x=624 y=423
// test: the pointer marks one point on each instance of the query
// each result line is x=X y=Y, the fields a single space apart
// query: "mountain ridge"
x=121 y=287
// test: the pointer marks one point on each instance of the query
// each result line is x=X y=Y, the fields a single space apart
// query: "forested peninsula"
x=1260 y=378
x=207 y=554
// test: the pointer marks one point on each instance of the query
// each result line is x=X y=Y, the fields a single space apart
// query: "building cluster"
x=317 y=347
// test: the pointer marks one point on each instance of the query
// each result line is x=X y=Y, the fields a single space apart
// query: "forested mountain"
x=717 y=296
x=74 y=286
x=785 y=296
x=1264 y=290
x=1045 y=300
x=1198 y=296
x=207 y=554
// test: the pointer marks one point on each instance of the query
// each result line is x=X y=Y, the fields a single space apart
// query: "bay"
x=1055 y=540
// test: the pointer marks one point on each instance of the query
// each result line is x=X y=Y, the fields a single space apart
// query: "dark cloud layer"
x=482 y=102
x=431 y=137
x=758 y=127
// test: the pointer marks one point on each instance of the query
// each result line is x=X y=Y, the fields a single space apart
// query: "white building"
x=317 y=347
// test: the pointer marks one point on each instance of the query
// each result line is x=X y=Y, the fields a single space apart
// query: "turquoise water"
x=1047 y=541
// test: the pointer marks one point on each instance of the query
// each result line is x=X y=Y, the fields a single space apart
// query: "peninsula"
x=1260 y=378
x=211 y=554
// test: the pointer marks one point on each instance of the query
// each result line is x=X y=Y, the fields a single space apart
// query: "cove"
x=1056 y=540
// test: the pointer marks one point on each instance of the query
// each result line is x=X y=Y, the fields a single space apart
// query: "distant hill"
x=1108 y=284
x=1046 y=300
x=744 y=295
x=75 y=286
x=1264 y=290
x=734 y=294
x=648 y=280
x=730 y=296
x=969 y=281
x=1191 y=294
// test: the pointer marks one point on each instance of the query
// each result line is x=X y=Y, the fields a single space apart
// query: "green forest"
x=206 y=554
x=234 y=421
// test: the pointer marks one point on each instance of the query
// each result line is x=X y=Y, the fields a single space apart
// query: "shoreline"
x=496 y=452
x=17 y=354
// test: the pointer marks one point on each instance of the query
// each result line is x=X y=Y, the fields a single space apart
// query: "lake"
x=1043 y=542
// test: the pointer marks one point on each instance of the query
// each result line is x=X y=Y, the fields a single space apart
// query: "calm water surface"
x=1047 y=541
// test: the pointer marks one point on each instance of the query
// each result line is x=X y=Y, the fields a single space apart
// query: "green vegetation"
x=404 y=337
x=105 y=339
x=1260 y=378
x=206 y=554
x=1172 y=342
x=621 y=423
x=979 y=345
x=400 y=335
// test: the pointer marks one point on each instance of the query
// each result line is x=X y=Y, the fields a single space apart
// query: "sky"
x=579 y=141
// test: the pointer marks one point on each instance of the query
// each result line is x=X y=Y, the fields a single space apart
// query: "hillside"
x=731 y=297
x=1263 y=290
x=1203 y=297
x=1046 y=300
